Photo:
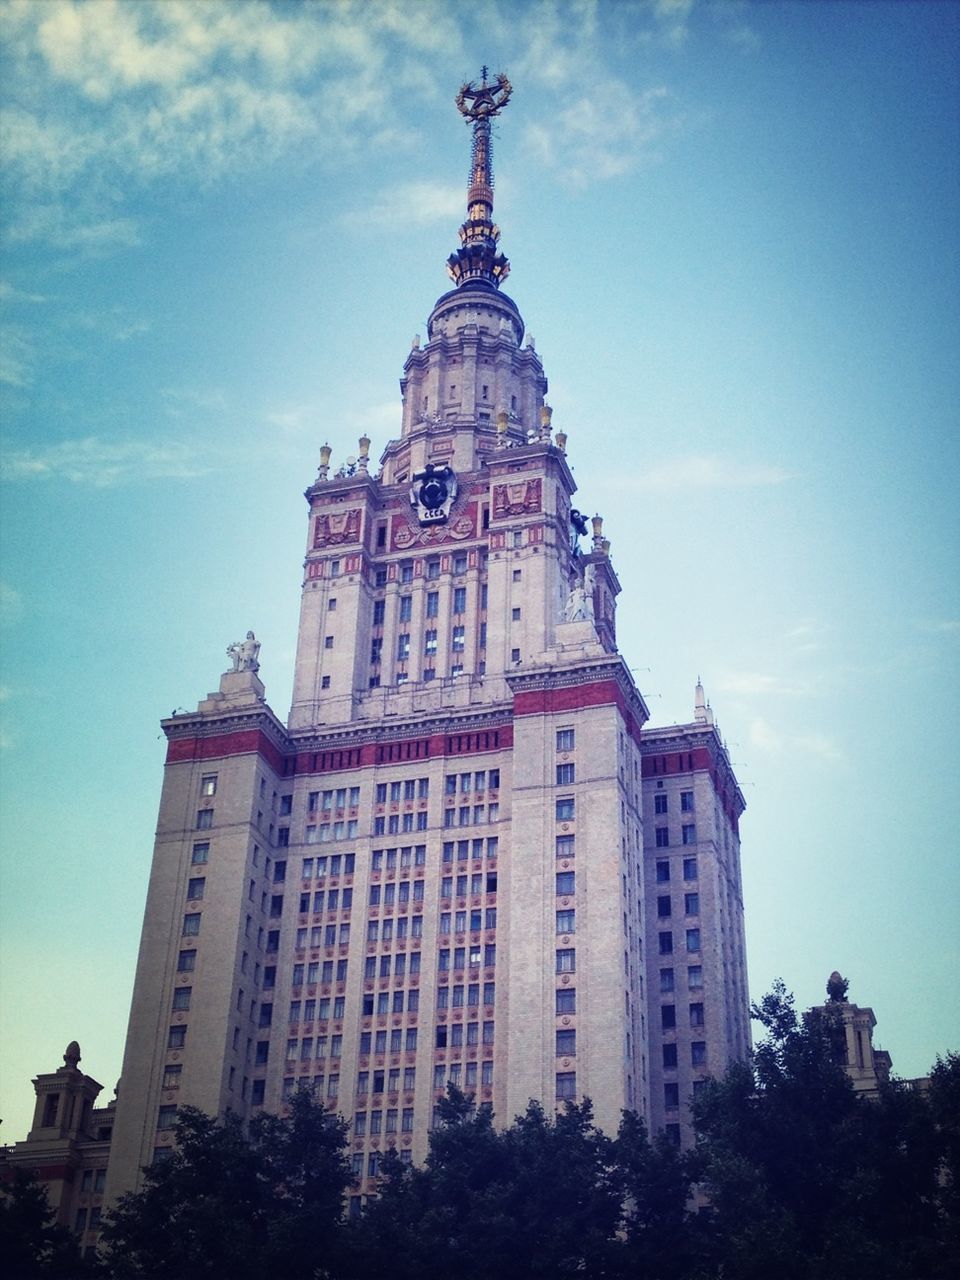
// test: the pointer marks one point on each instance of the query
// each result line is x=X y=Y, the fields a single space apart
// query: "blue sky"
x=734 y=233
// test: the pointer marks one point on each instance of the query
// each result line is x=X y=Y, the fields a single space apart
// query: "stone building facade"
x=436 y=870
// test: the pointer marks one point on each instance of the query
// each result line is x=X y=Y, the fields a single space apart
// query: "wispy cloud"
x=702 y=471
x=756 y=683
x=103 y=463
x=940 y=626
x=17 y=357
x=416 y=202
x=11 y=605
x=773 y=740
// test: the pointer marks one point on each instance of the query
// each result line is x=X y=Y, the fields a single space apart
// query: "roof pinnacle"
x=477 y=258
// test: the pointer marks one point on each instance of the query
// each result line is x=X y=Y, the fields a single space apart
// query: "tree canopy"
x=794 y=1175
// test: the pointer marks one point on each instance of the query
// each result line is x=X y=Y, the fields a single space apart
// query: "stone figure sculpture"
x=244 y=653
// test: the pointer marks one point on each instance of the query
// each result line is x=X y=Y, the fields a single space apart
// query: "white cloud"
x=17 y=357
x=416 y=203
x=701 y=471
x=10 y=293
x=11 y=605
x=771 y=740
x=753 y=683
x=104 y=463
x=940 y=626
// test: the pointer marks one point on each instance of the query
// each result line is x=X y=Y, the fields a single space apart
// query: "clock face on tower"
x=432 y=493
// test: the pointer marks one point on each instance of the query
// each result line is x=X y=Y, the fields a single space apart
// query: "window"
x=195 y=887
x=567 y=960
x=406 y=571
x=380 y=578
x=459 y=599
x=566 y=1043
x=403 y=646
x=208 y=784
x=379 y=610
x=567 y=1000
x=694 y=977
x=689 y=833
x=665 y=940
x=565 y=846
x=433 y=604
x=566 y=922
x=181 y=998
x=459 y=639
x=698 y=1053
x=666 y=980
x=663 y=872
x=660 y=803
x=565 y=809
x=376 y=649
x=671 y=1095
x=460 y=563
x=406 y=608
x=565 y=739
x=566 y=1084
x=663 y=837
x=565 y=882
x=191 y=925
x=186 y=961
x=514 y=655
x=691 y=904
x=433 y=568
x=669 y=1055
x=668 y=1017
x=689 y=868
x=663 y=907
x=204 y=819
x=693 y=939
x=515 y=615
x=565 y=774
x=686 y=802
x=171 y=1075
x=328 y=642
x=517 y=575
x=166 y=1117
x=200 y=855
x=430 y=643
x=177 y=1038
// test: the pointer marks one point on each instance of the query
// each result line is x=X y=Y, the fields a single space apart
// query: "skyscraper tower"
x=434 y=871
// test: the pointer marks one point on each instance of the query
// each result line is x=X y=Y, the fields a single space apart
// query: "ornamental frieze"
x=337 y=527
x=516 y=498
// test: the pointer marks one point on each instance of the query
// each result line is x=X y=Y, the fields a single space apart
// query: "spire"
x=477 y=258
x=701 y=708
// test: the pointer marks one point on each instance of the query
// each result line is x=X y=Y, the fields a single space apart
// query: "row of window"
x=458 y=1034
x=668 y=1016
x=474 y=921
x=694 y=978
x=319 y=971
x=468 y=783
x=479 y=882
x=467 y=996
x=388 y=930
x=698 y=1054
x=689 y=870
x=460 y=957
x=337 y=798
x=665 y=941
x=333 y=898
x=373 y=1122
x=688 y=835
x=661 y=801
x=321 y=1009
x=304 y=1049
x=465 y=849
x=691 y=905
x=409 y=789
x=380 y=966
x=471 y=815
x=386 y=1081
x=462 y=1075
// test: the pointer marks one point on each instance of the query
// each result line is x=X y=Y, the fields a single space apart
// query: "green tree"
x=538 y=1199
x=32 y=1244
x=233 y=1202
x=808 y=1181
